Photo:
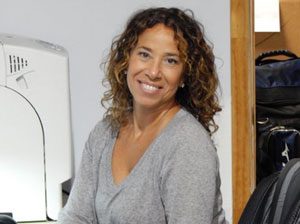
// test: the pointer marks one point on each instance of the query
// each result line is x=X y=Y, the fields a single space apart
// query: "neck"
x=144 y=118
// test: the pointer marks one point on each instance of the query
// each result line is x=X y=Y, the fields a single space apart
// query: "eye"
x=144 y=54
x=172 y=61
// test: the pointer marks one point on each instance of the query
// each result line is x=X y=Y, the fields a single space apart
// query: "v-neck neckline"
x=126 y=180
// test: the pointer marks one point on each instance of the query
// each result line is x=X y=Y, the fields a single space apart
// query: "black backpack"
x=277 y=111
x=276 y=199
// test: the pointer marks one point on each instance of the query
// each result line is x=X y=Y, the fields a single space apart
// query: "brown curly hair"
x=198 y=96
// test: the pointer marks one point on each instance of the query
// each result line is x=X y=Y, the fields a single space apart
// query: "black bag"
x=276 y=199
x=277 y=111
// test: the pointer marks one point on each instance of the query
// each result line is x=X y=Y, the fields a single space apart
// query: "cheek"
x=130 y=64
x=174 y=79
x=129 y=80
x=134 y=65
x=130 y=72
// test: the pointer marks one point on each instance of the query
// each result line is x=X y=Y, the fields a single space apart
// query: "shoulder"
x=100 y=128
x=188 y=130
x=187 y=140
x=99 y=135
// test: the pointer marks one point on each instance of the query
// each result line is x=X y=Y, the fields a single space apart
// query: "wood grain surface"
x=289 y=35
x=243 y=130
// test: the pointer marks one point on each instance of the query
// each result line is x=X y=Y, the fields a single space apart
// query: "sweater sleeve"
x=189 y=184
x=80 y=207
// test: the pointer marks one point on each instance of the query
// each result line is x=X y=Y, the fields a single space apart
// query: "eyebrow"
x=145 y=48
x=150 y=50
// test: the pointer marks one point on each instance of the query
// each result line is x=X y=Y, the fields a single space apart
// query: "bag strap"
x=257 y=206
x=259 y=60
x=286 y=193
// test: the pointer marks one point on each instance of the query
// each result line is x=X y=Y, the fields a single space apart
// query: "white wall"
x=86 y=27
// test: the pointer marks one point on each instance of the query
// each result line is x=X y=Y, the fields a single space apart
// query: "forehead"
x=158 y=34
x=160 y=27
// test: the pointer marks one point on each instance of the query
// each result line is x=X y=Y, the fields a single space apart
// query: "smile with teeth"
x=149 y=88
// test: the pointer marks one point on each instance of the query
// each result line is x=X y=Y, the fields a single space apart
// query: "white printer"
x=35 y=130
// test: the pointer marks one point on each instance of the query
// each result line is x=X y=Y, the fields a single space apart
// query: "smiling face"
x=155 y=68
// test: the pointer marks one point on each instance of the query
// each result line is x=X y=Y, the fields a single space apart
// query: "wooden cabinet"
x=289 y=35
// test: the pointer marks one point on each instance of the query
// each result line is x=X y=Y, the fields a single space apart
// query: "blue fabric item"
x=278 y=74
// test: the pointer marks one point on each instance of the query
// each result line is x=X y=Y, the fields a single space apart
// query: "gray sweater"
x=175 y=181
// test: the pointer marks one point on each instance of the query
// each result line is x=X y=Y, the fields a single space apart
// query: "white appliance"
x=35 y=130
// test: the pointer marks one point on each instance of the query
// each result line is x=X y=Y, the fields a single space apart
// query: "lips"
x=149 y=87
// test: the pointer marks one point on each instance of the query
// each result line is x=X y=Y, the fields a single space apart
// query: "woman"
x=151 y=159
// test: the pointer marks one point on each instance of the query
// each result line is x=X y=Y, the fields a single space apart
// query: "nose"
x=154 y=70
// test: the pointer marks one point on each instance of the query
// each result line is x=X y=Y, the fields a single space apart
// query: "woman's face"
x=155 y=69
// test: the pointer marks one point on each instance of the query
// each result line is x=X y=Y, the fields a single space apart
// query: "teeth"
x=148 y=87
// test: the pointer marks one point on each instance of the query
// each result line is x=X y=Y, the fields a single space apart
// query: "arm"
x=80 y=206
x=189 y=184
